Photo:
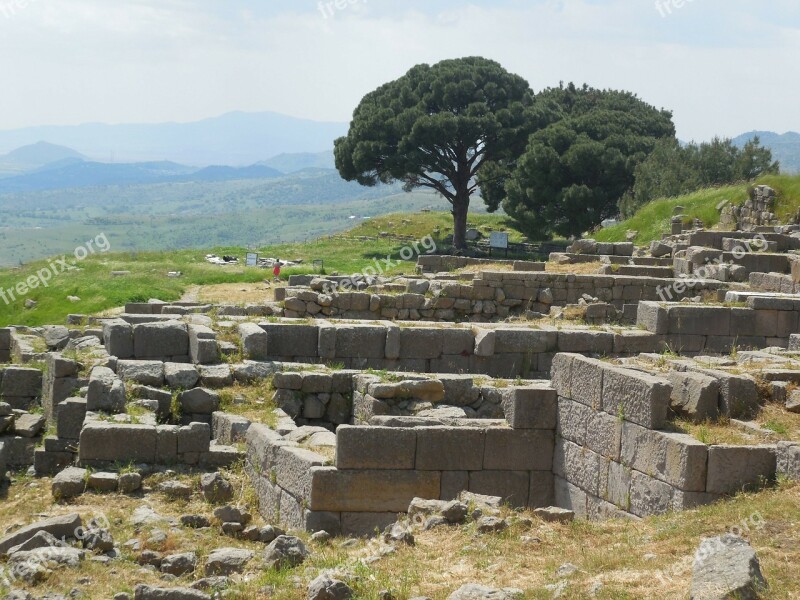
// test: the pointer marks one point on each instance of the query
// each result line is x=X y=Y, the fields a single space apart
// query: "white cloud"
x=722 y=66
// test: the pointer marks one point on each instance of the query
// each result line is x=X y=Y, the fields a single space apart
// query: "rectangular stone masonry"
x=370 y=491
x=292 y=469
x=531 y=407
x=291 y=340
x=788 y=460
x=375 y=447
x=677 y=459
x=732 y=469
x=159 y=340
x=649 y=496
x=106 y=442
x=70 y=416
x=518 y=450
x=636 y=397
x=450 y=449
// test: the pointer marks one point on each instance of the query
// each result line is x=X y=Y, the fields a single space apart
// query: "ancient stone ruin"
x=548 y=390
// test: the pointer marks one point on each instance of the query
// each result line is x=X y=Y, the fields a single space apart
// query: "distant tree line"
x=557 y=162
x=673 y=169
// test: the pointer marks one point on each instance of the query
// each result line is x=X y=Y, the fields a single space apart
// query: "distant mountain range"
x=785 y=147
x=234 y=139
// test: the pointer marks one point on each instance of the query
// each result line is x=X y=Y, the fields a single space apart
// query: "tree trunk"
x=460 y=212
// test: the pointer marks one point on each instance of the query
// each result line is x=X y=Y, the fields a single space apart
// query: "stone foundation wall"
x=762 y=323
x=379 y=470
x=611 y=459
x=495 y=351
x=167 y=341
x=490 y=295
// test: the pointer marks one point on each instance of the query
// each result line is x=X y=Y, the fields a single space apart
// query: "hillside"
x=180 y=214
x=98 y=290
x=653 y=220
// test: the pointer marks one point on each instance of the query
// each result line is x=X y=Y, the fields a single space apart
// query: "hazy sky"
x=723 y=66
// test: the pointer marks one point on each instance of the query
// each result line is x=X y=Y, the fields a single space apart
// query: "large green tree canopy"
x=436 y=127
x=574 y=171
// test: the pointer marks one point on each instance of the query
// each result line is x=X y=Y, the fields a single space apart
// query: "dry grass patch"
x=590 y=268
x=237 y=293
x=615 y=559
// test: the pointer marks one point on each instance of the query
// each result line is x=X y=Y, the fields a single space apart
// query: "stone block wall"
x=166 y=341
x=104 y=443
x=20 y=387
x=501 y=351
x=774 y=282
x=612 y=460
x=377 y=470
x=489 y=296
x=765 y=321
x=429 y=263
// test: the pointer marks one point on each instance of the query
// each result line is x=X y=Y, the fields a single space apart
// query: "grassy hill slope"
x=653 y=220
x=92 y=282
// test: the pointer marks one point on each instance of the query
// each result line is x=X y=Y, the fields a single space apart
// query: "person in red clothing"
x=276 y=271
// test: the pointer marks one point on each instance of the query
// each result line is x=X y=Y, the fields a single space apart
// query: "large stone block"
x=166 y=444
x=101 y=441
x=360 y=341
x=421 y=343
x=604 y=435
x=61 y=527
x=531 y=407
x=118 y=338
x=512 y=486
x=375 y=448
x=581 y=467
x=788 y=460
x=518 y=450
x=180 y=376
x=636 y=397
x=586 y=385
x=699 y=320
x=144 y=372
x=652 y=316
x=516 y=340
x=106 y=392
x=199 y=401
x=203 y=348
x=588 y=342
x=21 y=382
x=573 y=420
x=286 y=340
x=229 y=429
x=738 y=394
x=254 y=341
x=292 y=468
x=735 y=468
x=370 y=491
x=649 y=496
x=161 y=339
x=194 y=438
x=674 y=458
x=70 y=416
x=450 y=449
x=570 y=497
x=694 y=395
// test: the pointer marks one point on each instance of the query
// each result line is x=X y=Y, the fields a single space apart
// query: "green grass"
x=653 y=220
x=98 y=291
